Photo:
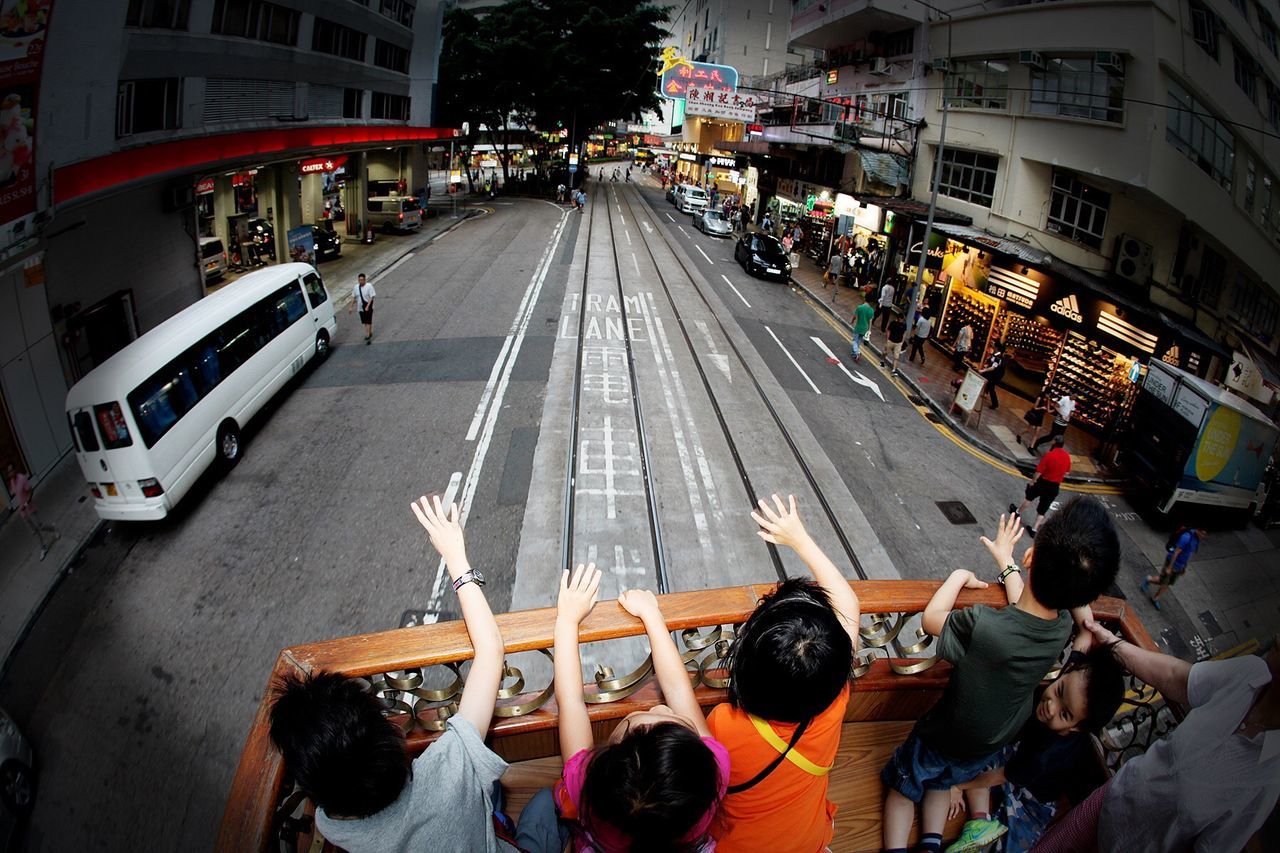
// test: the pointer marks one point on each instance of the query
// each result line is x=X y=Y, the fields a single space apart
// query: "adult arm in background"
x=1165 y=673
x=481 y=691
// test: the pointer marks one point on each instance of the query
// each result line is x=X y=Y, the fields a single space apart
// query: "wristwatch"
x=470 y=576
x=1009 y=569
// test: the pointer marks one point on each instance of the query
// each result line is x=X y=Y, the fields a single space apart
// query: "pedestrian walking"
x=922 y=328
x=364 y=294
x=964 y=340
x=861 y=326
x=21 y=491
x=767 y=223
x=1062 y=411
x=834 y=265
x=1184 y=542
x=560 y=191
x=1045 y=484
x=1035 y=419
x=893 y=346
x=993 y=372
x=884 y=306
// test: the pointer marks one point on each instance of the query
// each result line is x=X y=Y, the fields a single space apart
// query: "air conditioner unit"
x=942 y=64
x=1031 y=58
x=879 y=66
x=1109 y=60
x=1134 y=259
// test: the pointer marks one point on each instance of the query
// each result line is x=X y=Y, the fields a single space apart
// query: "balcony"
x=896 y=679
x=830 y=24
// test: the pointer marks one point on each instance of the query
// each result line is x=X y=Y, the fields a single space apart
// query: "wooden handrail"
x=255 y=791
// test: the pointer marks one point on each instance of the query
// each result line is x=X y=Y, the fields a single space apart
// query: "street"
x=521 y=345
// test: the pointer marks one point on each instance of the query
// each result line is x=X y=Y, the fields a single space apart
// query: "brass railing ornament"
x=519 y=709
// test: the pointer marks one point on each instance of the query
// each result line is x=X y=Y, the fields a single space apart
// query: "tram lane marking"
x=704 y=254
x=718 y=358
x=735 y=290
x=795 y=363
x=647 y=226
x=859 y=379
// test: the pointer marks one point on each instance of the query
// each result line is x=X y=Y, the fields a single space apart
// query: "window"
x=969 y=176
x=394 y=107
x=1243 y=70
x=1269 y=39
x=158 y=14
x=115 y=432
x=1241 y=7
x=1078 y=211
x=390 y=56
x=1273 y=105
x=1253 y=308
x=82 y=427
x=981 y=84
x=1264 y=215
x=400 y=11
x=175 y=389
x=1250 y=184
x=143 y=106
x=1078 y=87
x=256 y=19
x=1206 y=288
x=898 y=44
x=1204 y=28
x=316 y=294
x=351 y=103
x=1194 y=131
x=898 y=105
x=335 y=39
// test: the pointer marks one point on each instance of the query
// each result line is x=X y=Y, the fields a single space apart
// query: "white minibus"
x=150 y=419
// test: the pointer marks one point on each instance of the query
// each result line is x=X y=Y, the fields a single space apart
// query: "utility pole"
x=937 y=163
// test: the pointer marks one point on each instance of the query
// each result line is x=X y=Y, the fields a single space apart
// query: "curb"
x=955 y=426
x=349 y=297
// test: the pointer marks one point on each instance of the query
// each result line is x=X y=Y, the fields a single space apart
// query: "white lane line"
x=793 y=360
x=635 y=262
x=628 y=233
x=390 y=269
x=669 y=216
x=735 y=290
x=682 y=231
x=704 y=254
x=857 y=380
x=451 y=491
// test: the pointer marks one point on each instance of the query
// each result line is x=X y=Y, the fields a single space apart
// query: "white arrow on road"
x=647 y=226
x=857 y=379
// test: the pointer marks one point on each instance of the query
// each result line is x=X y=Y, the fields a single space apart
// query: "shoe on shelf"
x=976 y=835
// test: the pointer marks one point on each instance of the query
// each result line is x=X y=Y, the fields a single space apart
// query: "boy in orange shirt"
x=789 y=667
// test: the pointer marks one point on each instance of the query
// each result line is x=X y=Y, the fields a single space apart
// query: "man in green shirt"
x=861 y=325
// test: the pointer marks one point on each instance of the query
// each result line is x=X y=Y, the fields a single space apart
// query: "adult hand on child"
x=957 y=806
x=444 y=529
x=1008 y=532
x=640 y=603
x=1101 y=636
x=780 y=524
x=578 y=593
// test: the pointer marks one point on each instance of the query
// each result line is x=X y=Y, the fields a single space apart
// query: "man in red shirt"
x=1046 y=483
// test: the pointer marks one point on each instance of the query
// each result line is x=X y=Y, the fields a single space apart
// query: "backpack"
x=1172 y=541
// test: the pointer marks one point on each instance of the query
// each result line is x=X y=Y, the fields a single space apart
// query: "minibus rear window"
x=111 y=423
x=84 y=432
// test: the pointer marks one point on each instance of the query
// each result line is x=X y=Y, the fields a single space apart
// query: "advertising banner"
x=1233 y=450
x=322 y=164
x=679 y=74
x=302 y=245
x=23 y=24
x=718 y=103
x=970 y=392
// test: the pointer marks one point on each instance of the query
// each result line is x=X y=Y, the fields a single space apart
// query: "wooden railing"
x=892 y=681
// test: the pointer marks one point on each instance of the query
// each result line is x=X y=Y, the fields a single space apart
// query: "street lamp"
x=937 y=163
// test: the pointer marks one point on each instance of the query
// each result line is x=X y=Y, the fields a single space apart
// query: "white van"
x=150 y=419
x=394 y=212
x=213 y=258
x=691 y=199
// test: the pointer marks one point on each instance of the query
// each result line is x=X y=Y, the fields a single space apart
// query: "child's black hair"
x=1104 y=689
x=792 y=657
x=653 y=786
x=1077 y=555
x=344 y=754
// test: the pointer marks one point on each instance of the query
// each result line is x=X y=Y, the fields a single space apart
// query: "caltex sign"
x=322 y=164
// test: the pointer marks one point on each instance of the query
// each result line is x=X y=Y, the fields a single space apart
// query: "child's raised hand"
x=578 y=593
x=1008 y=532
x=957 y=806
x=640 y=603
x=780 y=524
x=443 y=528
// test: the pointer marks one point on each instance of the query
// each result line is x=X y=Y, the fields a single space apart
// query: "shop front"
x=688 y=169
x=724 y=175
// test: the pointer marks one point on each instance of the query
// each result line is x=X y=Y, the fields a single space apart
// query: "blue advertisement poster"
x=302 y=245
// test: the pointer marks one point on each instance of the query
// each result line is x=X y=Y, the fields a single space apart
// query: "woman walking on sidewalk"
x=20 y=489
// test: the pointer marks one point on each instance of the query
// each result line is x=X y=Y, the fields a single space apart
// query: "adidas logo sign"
x=1068 y=307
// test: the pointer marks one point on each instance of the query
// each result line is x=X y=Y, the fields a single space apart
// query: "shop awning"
x=889 y=169
x=915 y=209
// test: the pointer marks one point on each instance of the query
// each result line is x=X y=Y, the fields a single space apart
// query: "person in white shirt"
x=363 y=294
x=1210 y=784
x=964 y=340
x=884 y=307
x=923 y=326
x=1062 y=411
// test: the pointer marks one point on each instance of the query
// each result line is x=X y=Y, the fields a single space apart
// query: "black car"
x=763 y=255
x=328 y=243
x=261 y=233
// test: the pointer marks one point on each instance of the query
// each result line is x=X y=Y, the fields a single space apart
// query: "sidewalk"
x=26 y=581
x=993 y=431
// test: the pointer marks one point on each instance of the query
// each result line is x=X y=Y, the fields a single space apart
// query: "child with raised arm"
x=999 y=657
x=656 y=783
x=351 y=761
x=789 y=669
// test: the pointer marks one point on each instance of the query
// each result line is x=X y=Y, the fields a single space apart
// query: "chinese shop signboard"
x=22 y=36
x=715 y=103
x=677 y=79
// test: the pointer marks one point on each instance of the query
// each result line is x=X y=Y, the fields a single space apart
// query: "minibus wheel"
x=322 y=343
x=229 y=445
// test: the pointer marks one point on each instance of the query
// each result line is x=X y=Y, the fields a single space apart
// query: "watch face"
x=477 y=577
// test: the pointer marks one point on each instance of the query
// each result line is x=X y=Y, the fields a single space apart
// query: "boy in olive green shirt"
x=999 y=656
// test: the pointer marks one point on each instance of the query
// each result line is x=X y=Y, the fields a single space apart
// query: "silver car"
x=17 y=780
x=712 y=222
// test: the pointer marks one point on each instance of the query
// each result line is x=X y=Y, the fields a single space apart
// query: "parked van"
x=213 y=258
x=394 y=212
x=690 y=199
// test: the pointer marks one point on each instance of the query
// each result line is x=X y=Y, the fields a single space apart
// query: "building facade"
x=159 y=124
